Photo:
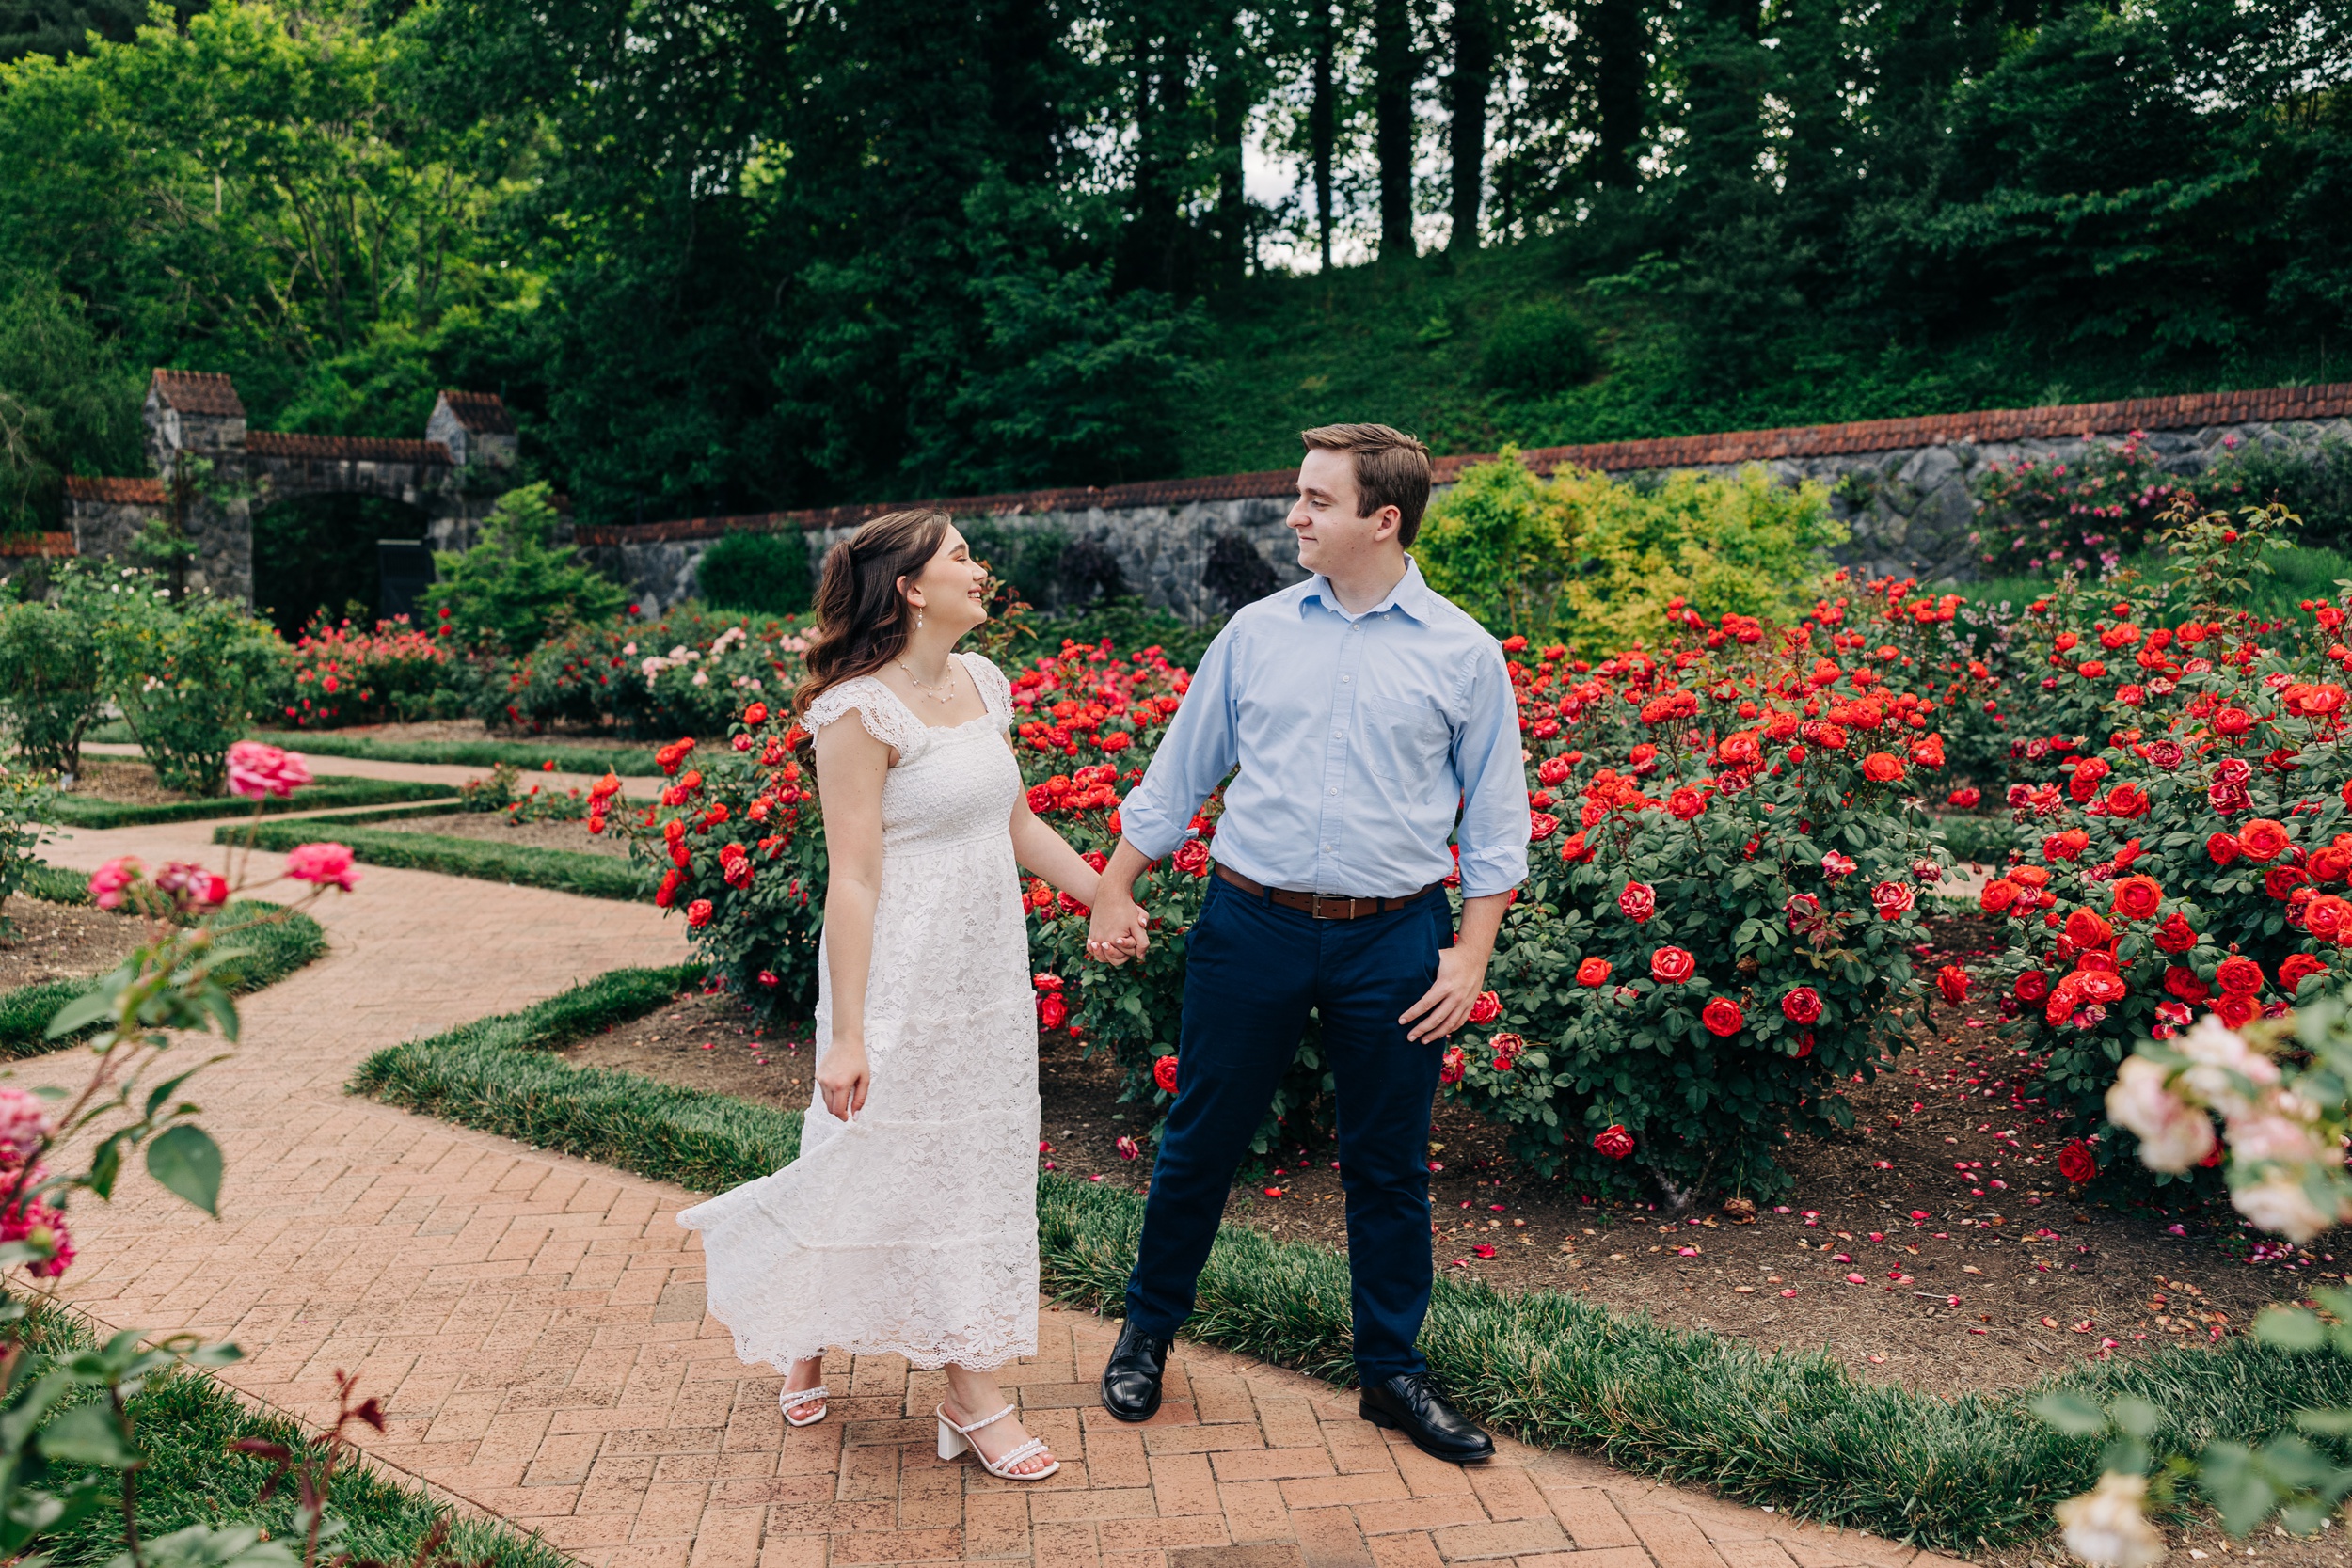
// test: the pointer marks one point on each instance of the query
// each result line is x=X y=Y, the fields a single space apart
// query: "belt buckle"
x=1314 y=906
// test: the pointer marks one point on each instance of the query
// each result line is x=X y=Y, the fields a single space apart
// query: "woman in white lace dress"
x=908 y=1224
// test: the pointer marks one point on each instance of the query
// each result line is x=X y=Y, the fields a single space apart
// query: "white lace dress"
x=912 y=1229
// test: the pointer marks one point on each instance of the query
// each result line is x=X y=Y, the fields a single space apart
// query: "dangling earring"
x=919 y=619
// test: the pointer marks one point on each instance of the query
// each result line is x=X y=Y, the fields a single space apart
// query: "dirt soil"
x=492 y=826
x=62 y=942
x=708 y=1042
x=125 y=784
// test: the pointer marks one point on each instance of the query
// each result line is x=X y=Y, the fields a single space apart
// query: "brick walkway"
x=452 y=774
x=537 y=1326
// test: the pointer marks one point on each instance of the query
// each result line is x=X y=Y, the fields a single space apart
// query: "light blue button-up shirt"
x=1358 y=737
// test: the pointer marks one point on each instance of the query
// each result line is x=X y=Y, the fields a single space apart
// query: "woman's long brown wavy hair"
x=862 y=618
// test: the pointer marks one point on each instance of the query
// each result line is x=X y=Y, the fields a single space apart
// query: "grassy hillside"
x=1402 y=343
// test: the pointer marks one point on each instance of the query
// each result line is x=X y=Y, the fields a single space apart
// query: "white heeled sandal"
x=954 y=1439
x=792 y=1399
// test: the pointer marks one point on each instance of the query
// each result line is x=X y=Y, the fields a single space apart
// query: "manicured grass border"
x=527 y=754
x=528 y=866
x=330 y=791
x=272 y=952
x=54 y=884
x=187 y=1420
x=1796 y=1431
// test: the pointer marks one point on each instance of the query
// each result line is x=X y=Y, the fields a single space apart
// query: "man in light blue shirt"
x=1371 y=721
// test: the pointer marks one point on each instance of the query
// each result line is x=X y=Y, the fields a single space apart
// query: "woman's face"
x=952 y=590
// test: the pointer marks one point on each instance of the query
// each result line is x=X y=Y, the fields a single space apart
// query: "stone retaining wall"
x=1902 y=487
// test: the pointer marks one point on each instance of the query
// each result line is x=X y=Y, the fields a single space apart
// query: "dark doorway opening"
x=320 y=552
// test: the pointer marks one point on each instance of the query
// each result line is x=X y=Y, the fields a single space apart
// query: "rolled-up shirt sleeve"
x=1199 y=749
x=1492 y=835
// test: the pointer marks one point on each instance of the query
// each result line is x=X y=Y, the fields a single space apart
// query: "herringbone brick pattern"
x=535 y=1325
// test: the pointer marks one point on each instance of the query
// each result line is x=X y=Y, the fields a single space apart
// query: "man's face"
x=1323 y=517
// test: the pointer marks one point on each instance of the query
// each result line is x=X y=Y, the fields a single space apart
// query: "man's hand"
x=1445 y=1006
x=1118 y=929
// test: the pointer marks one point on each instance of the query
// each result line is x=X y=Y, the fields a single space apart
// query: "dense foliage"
x=720 y=261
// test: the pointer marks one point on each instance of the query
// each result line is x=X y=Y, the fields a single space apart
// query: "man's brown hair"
x=1391 y=469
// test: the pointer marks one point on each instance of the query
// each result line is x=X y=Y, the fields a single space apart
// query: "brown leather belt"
x=1324 y=906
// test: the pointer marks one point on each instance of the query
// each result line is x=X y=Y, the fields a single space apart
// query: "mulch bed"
x=2011 y=1274
x=62 y=942
x=492 y=826
x=125 y=784
x=440 y=730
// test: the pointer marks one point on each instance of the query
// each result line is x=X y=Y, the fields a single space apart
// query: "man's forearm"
x=1482 y=922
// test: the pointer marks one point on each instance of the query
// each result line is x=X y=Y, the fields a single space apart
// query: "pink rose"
x=256 y=770
x=113 y=882
x=328 y=864
x=1893 y=900
x=24 y=1122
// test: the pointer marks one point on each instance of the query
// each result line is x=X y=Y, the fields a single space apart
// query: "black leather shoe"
x=1131 y=1378
x=1412 y=1403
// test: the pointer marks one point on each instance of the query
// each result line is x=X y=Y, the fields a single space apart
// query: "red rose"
x=2173 y=935
x=1965 y=799
x=1613 y=1143
x=2099 y=985
x=1486 y=1008
x=1574 y=850
x=2238 y=975
x=2032 y=985
x=1670 y=966
x=1722 y=1017
x=1052 y=1012
x=2086 y=929
x=2234 y=720
x=1541 y=825
x=1685 y=803
x=1552 y=771
x=2137 y=898
x=755 y=714
x=1893 y=900
x=2331 y=865
x=2128 y=802
x=1593 y=972
x=666 y=894
x=698 y=913
x=1164 y=1073
x=1638 y=902
x=2185 y=985
x=1800 y=1005
x=2085 y=783
x=1881 y=767
x=2281 y=881
x=2224 y=848
x=1952 y=981
x=1506 y=1048
x=2237 y=1011
x=2327 y=917
x=2077 y=1163
x=1450 y=1070
x=1998 y=894
x=1803 y=909
x=2263 y=839
x=2092 y=669
x=2065 y=846
x=2296 y=967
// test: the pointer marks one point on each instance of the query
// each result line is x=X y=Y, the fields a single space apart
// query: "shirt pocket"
x=1406 y=742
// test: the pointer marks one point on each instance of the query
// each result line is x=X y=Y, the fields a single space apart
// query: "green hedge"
x=54 y=884
x=1983 y=839
x=185 y=1422
x=330 y=791
x=528 y=866
x=1796 y=1431
x=272 y=953
x=526 y=754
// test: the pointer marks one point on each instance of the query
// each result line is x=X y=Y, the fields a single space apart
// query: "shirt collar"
x=1411 y=595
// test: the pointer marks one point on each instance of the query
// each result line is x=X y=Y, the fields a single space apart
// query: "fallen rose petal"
x=1856 y=1280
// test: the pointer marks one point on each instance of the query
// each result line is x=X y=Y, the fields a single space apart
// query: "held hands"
x=843 y=1078
x=1445 y=1006
x=1119 y=929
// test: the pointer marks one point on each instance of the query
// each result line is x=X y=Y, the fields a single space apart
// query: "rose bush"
x=341 y=675
x=687 y=673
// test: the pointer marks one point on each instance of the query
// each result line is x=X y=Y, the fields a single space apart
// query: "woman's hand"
x=843 y=1078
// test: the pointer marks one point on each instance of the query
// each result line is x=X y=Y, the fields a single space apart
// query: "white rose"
x=2279 y=1205
x=2105 y=1526
x=2217 y=1044
x=2172 y=1136
x=2274 y=1139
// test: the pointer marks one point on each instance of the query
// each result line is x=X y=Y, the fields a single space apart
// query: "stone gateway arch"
x=211 y=474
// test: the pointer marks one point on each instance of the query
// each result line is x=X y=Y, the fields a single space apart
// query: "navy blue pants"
x=1252 y=970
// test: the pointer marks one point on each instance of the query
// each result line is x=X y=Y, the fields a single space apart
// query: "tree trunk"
x=1394 y=69
x=1471 y=85
x=1323 y=126
x=1620 y=90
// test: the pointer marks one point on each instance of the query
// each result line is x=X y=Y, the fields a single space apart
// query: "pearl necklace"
x=941 y=690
